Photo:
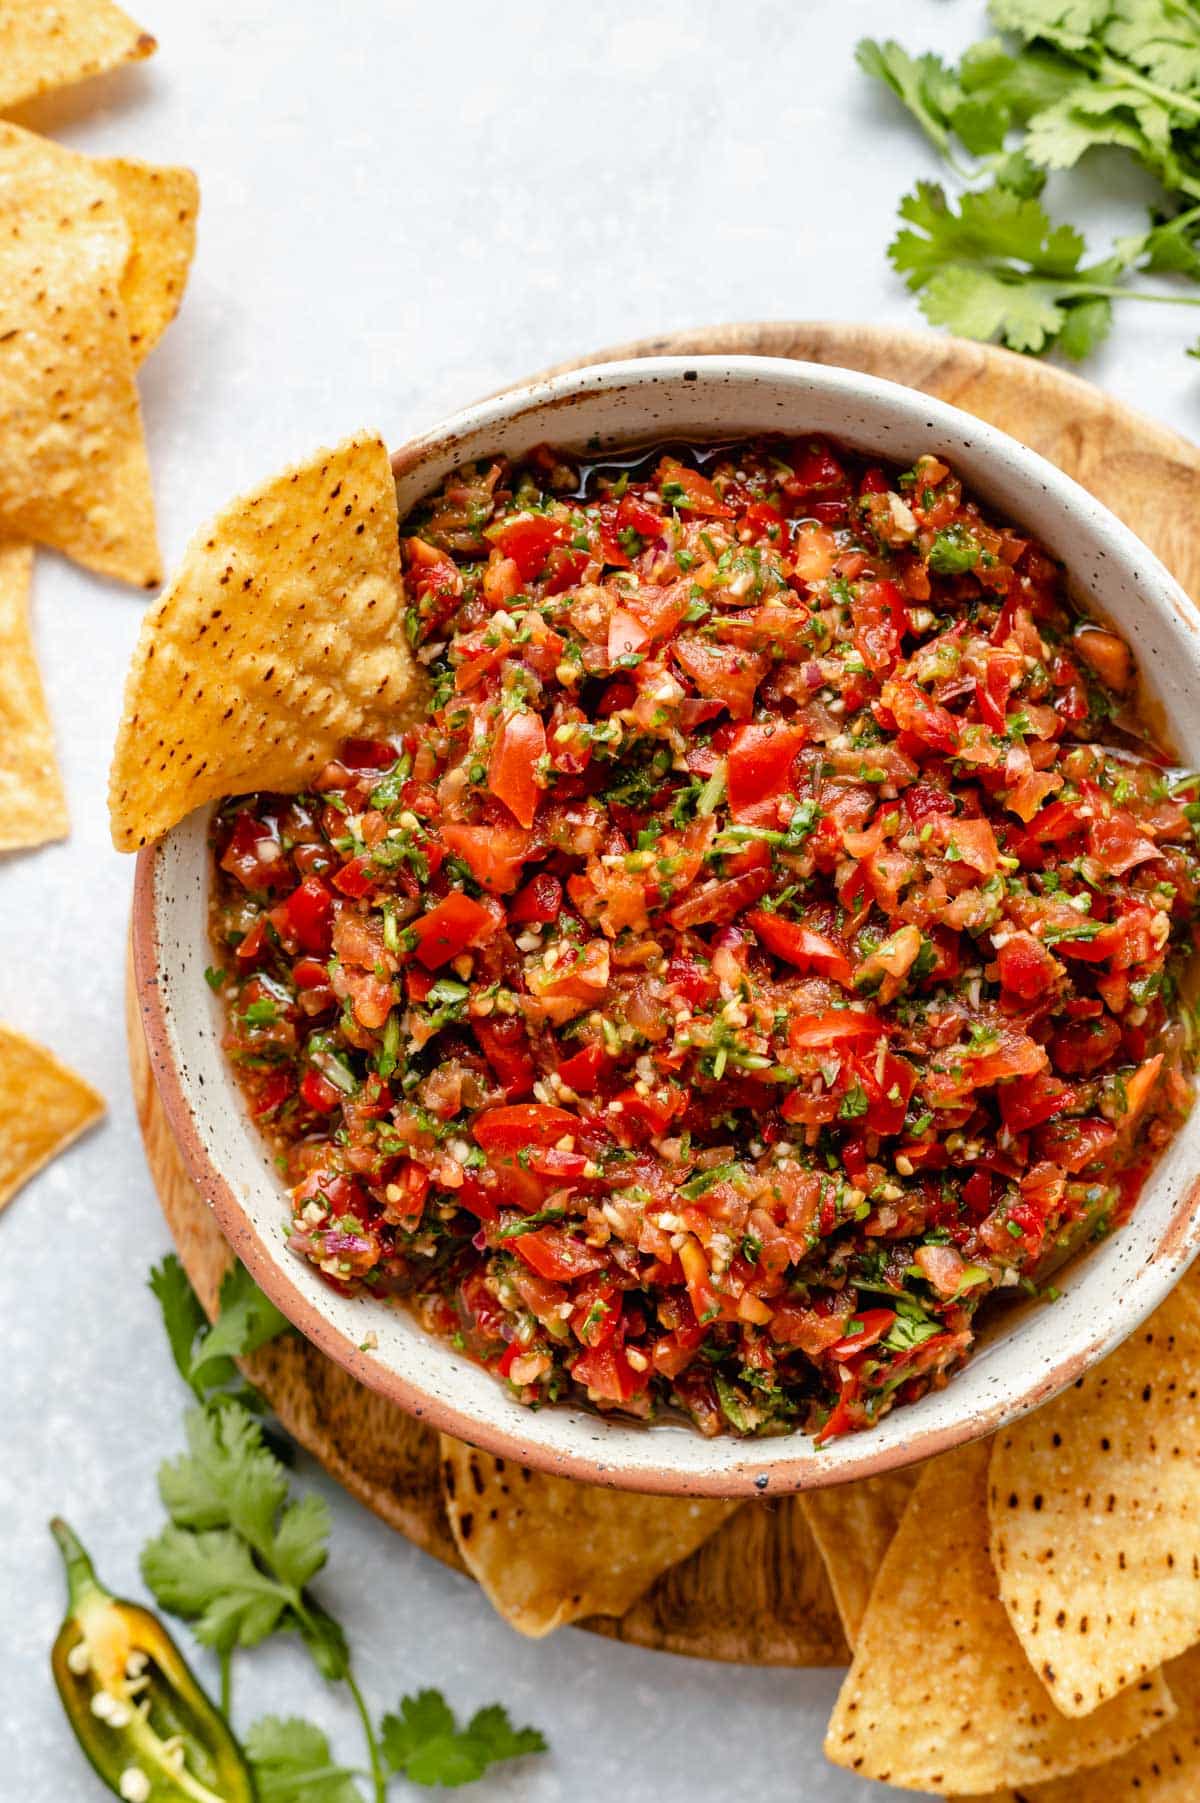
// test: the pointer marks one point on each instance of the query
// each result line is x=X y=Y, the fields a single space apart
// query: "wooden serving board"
x=756 y=1592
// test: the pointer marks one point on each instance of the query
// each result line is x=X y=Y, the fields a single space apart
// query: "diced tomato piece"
x=1074 y=1145
x=839 y=1026
x=355 y=879
x=1027 y=969
x=625 y=635
x=802 y=946
x=455 y=925
x=866 y=1328
x=759 y=768
x=539 y=900
x=1032 y=1100
x=495 y=855
x=724 y=672
x=606 y=1373
x=367 y=754
x=519 y=746
x=925 y=719
x=254 y=855
x=528 y=538
x=275 y=1091
x=555 y=1253
x=319 y=1092
x=686 y=488
x=310 y=917
x=762 y=521
x=718 y=901
x=505 y=1044
x=584 y=1071
x=510 y=1129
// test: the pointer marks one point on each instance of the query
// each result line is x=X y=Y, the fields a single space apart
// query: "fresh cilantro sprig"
x=426 y=1744
x=240 y=1551
x=1069 y=76
x=204 y=1354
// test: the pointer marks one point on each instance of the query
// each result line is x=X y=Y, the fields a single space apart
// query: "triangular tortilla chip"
x=159 y=204
x=548 y=1551
x=281 y=635
x=43 y=1107
x=33 y=806
x=940 y=1696
x=73 y=468
x=48 y=44
x=1095 y=1513
x=1162 y=1769
x=755 y=1593
x=853 y=1525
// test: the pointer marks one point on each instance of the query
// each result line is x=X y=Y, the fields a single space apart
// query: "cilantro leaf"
x=211 y=1580
x=183 y=1317
x=1069 y=24
x=227 y=1478
x=1160 y=37
x=293 y=1763
x=921 y=83
x=995 y=225
x=246 y=1321
x=425 y=1742
x=204 y=1354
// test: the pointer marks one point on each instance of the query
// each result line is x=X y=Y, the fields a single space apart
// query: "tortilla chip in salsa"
x=281 y=636
x=47 y=44
x=940 y=1696
x=43 y=1107
x=548 y=1551
x=33 y=806
x=1095 y=1516
x=73 y=468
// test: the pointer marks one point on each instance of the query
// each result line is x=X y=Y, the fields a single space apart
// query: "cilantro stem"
x=1108 y=291
x=1117 y=69
x=225 y=1659
x=378 y=1779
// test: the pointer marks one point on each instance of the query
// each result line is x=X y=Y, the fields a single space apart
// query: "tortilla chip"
x=940 y=1696
x=1165 y=1768
x=755 y=1593
x=48 y=44
x=1095 y=1513
x=159 y=204
x=853 y=1526
x=73 y=468
x=33 y=806
x=281 y=635
x=43 y=1107
x=547 y=1550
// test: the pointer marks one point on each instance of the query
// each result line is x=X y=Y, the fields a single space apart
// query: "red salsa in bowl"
x=767 y=950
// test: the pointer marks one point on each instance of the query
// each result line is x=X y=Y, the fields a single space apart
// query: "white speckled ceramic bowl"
x=1028 y=1353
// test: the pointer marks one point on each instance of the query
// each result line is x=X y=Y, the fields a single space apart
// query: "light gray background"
x=405 y=207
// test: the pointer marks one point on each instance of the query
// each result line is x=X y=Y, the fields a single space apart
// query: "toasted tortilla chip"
x=43 y=1107
x=853 y=1526
x=159 y=204
x=281 y=635
x=940 y=1696
x=48 y=44
x=33 y=806
x=547 y=1551
x=755 y=1593
x=73 y=468
x=1165 y=1768
x=1095 y=1516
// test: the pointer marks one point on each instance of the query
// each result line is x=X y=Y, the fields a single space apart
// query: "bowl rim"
x=857 y=1458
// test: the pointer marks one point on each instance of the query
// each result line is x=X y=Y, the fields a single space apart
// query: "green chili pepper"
x=145 y=1724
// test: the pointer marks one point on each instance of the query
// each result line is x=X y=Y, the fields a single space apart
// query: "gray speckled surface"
x=405 y=207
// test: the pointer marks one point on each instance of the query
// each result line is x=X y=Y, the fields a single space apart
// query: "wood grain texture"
x=757 y=1591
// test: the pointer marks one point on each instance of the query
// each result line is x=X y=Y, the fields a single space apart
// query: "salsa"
x=767 y=949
